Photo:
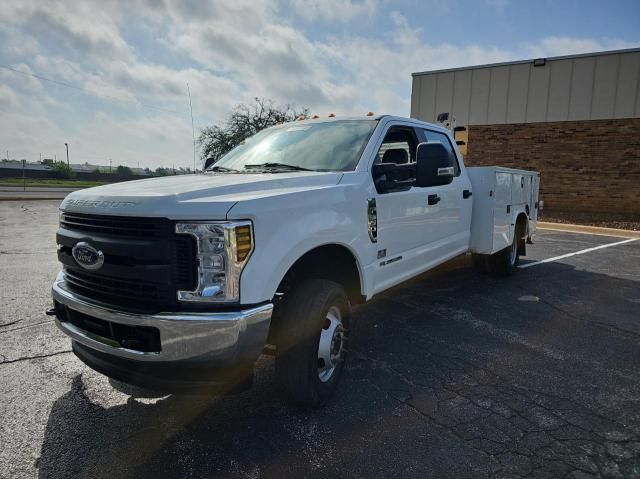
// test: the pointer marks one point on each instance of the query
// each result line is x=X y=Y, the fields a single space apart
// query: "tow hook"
x=50 y=312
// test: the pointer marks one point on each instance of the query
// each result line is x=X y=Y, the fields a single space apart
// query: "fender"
x=517 y=211
x=289 y=226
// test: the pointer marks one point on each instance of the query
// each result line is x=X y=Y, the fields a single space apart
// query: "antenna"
x=193 y=131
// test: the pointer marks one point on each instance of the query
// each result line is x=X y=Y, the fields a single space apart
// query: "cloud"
x=554 y=46
x=342 y=11
x=28 y=135
x=79 y=28
x=130 y=63
x=8 y=99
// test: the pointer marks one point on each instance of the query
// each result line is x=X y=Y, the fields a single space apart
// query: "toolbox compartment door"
x=497 y=194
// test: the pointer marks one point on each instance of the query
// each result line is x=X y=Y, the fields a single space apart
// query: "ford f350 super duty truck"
x=181 y=283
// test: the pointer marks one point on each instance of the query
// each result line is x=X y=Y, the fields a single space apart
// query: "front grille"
x=145 y=261
x=114 y=290
x=117 y=225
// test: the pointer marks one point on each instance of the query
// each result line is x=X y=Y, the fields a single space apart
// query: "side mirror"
x=383 y=176
x=433 y=165
x=208 y=162
x=380 y=169
x=391 y=176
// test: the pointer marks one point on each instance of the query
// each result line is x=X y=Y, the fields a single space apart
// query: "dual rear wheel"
x=505 y=261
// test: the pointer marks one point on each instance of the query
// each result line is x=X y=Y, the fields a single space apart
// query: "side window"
x=399 y=146
x=444 y=139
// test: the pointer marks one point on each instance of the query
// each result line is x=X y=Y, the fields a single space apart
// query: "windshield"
x=328 y=146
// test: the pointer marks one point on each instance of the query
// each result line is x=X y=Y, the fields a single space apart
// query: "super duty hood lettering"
x=100 y=204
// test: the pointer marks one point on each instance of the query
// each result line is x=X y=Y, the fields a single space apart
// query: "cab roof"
x=368 y=118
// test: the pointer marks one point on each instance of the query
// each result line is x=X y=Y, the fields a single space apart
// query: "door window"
x=399 y=146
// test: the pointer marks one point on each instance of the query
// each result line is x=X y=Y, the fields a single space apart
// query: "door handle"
x=433 y=199
x=466 y=193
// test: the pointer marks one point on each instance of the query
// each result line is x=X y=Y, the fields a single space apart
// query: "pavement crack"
x=434 y=422
x=30 y=325
x=28 y=252
x=607 y=327
x=10 y=323
x=26 y=358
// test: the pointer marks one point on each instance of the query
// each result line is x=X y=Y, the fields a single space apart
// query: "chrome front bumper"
x=223 y=338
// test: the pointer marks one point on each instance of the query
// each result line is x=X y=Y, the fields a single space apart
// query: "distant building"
x=574 y=118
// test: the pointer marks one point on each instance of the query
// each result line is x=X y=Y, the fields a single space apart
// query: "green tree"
x=61 y=170
x=243 y=122
x=161 y=172
x=124 y=170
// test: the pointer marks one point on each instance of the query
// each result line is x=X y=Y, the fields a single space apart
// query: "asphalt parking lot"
x=454 y=374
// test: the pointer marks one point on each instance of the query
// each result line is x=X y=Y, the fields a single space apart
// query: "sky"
x=110 y=78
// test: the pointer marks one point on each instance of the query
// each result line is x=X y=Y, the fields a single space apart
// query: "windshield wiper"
x=282 y=166
x=223 y=168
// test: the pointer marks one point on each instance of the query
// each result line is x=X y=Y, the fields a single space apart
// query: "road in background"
x=34 y=192
x=453 y=374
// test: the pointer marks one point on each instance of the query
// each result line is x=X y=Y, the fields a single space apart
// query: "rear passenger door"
x=456 y=204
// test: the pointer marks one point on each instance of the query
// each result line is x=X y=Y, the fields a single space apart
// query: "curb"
x=592 y=230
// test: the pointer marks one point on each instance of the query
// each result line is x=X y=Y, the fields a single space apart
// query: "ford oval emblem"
x=87 y=256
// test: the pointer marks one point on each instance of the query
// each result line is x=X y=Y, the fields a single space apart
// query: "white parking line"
x=588 y=250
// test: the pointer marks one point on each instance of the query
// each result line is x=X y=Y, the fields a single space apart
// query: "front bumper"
x=218 y=340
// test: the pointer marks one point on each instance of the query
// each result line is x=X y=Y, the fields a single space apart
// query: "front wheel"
x=311 y=352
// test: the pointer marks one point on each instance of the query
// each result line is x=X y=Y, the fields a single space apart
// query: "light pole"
x=67 y=145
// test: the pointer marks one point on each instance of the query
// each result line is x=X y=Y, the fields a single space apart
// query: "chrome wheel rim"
x=331 y=345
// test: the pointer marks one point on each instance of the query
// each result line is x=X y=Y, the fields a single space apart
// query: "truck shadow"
x=449 y=373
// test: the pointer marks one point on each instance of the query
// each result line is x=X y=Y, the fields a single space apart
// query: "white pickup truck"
x=181 y=283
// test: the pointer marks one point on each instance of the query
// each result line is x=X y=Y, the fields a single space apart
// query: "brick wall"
x=585 y=166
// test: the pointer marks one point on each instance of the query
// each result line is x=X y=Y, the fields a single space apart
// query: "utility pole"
x=109 y=165
x=67 y=145
x=24 y=180
x=193 y=131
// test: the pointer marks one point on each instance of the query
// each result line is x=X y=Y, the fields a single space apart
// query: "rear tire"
x=504 y=262
x=310 y=351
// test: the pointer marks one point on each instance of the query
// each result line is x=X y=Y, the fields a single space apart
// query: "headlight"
x=223 y=250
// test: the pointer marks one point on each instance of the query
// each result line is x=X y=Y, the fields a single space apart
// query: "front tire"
x=311 y=351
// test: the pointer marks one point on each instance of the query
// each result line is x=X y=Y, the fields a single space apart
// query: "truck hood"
x=203 y=196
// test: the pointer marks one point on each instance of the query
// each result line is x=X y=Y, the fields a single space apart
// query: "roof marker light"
x=315 y=117
x=332 y=115
x=370 y=113
x=300 y=118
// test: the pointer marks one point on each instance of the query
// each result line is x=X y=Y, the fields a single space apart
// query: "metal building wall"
x=579 y=87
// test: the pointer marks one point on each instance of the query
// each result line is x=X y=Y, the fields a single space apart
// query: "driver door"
x=410 y=233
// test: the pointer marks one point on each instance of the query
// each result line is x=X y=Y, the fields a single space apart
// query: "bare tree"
x=243 y=122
